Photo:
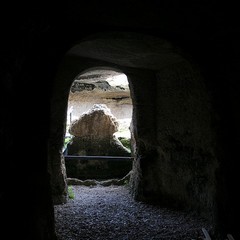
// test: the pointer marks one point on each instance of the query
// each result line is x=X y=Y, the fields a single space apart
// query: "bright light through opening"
x=122 y=111
x=118 y=80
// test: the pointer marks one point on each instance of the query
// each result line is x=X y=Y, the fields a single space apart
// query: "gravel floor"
x=103 y=213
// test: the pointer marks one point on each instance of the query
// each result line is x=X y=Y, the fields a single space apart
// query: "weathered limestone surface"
x=96 y=123
x=101 y=86
x=177 y=155
x=93 y=136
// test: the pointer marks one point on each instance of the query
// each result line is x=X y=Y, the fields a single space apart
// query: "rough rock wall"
x=34 y=39
x=100 y=86
x=143 y=126
x=166 y=138
x=94 y=134
x=186 y=139
x=175 y=162
x=120 y=104
x=97 y=122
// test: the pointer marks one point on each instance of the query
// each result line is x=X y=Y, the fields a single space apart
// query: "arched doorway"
x=171 y=118
x=97 y=137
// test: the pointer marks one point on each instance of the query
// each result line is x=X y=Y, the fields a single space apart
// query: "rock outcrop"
x=93 y=134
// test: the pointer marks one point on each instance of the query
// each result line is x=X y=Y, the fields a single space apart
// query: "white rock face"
x=97 y=122
x=101 y=87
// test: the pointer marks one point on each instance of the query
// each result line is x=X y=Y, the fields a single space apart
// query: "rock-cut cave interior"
x=181 y=62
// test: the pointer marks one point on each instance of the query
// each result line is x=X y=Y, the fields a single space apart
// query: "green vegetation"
x=67 y=139
x=70 y=192
x=126 y=142
x=126 y=182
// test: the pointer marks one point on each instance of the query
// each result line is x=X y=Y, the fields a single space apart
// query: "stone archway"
x=98 y=124
x=59 y=119
x=175 y=159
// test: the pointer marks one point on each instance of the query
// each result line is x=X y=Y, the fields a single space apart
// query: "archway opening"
x=97 y=143
x=170 y=118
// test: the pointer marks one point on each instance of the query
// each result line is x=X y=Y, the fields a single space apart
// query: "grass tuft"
x=70 y=192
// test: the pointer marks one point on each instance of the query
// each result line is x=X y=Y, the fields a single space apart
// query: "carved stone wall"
x=186 y=127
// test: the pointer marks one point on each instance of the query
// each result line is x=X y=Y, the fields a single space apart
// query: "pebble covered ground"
x=104 y=213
